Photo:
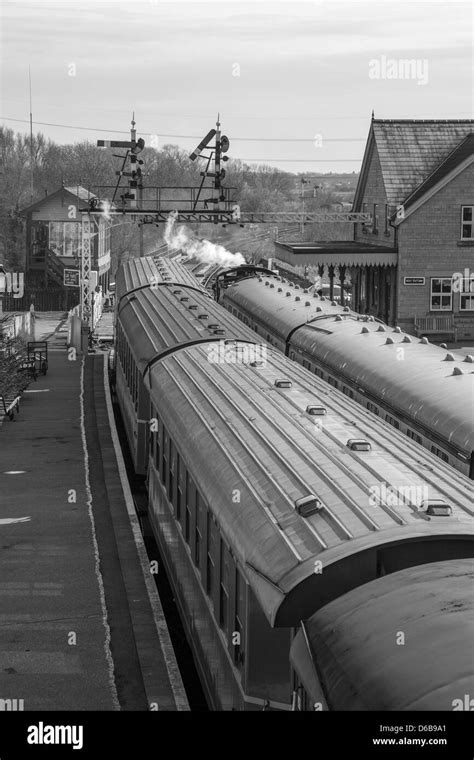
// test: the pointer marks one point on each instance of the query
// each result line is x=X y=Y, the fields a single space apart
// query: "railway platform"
x=81 y=624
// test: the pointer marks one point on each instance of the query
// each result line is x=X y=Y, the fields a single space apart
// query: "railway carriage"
x=421 y=389
x=272 y=495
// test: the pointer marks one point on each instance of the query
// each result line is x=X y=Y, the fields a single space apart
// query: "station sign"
x=413 y=280
x=71 y=278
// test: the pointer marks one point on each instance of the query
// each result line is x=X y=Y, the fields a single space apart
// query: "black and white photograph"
x=236 y=375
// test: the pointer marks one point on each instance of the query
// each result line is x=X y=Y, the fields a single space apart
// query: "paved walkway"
x=79 y=614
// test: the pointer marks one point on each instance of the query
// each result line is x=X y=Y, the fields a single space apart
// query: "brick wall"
x=375 y=193
x=428 y=247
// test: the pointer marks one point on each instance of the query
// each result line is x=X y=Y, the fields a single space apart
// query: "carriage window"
x=411 y=434
x=179 y=478
x=198 y=534
x=239 y=645
x=224 y=587
x=164 y=462
x=171 y=472
x=373 y=408
x=187 y=515
x=157 y=443
x=440 y=453
x=211 y=548
x=392 y=421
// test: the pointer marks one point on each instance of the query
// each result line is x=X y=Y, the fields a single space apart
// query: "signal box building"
x=413 y=265
x=54 y=241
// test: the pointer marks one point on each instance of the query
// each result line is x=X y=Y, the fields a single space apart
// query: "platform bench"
x=435 y=326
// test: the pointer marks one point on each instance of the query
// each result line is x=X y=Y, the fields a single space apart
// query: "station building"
x=54 y=245
x=413 y=265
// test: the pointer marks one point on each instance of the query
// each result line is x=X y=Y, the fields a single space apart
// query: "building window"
x=467 y=223
x=65 y=238
x=441 y=294
x=466 y=301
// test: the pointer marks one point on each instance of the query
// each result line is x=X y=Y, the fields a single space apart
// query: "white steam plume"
x=210 y=253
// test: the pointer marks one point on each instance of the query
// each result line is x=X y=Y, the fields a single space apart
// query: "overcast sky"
x=310 y=72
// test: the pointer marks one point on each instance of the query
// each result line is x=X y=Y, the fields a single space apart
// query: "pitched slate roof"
x=409 y=152
x=80 y=192
x=77 y=190
x=455 y=158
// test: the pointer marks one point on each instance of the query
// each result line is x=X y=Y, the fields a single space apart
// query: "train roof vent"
x=449 y=358
x=315 y=411
x=272 y=285
x=257 y=363
x=380 y=328
x=389 y=341
x=307 y=303
x=266 y=283
x=306 y=290
x=458 y=371
x=398 y=330
x=260 y=279
x=177 y=292
x=338 y=318
x=184 y=298
x=280 y=290
x=213 y=326
x=203 y=316
x=318 y=308
x=291 y=284
x=333 y=303
x=288 y=293
x=469 y=358
x=297 y=298
x=315 y=295
x=193 y=306
x=297 y=287
x=406 y=339
x=219 y=332
x=308 y=506
x=425 y=341
x=346 y=308
x=358 y=444
x=283 y=383
x=365 y=330
x=436 y=508
x=443 y=345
